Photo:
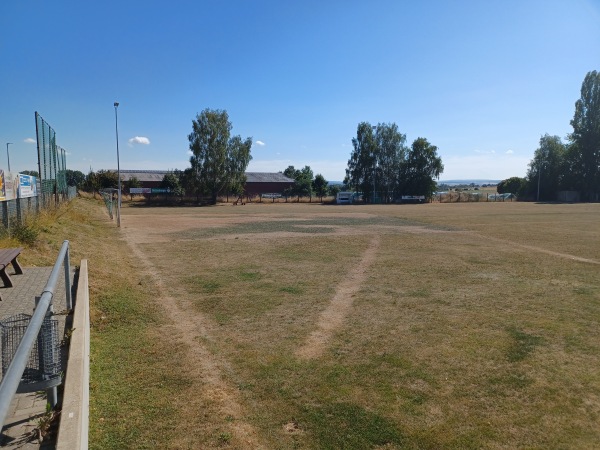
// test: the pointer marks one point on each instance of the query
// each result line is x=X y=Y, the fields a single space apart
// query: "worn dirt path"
x=332 y=318
x=188 y=328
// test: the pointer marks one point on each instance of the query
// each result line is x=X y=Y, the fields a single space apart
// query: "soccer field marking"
x=187 y=328
x=542 y=250
x=333 y=317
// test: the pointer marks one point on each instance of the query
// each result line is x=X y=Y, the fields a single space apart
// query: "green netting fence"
x=46 y=191
x=52 y=162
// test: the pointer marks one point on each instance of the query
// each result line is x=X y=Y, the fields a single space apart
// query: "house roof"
x=267 y=177
x=144 y=175
x=158 y=175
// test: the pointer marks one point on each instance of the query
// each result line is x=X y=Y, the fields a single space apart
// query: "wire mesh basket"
x=43 y=369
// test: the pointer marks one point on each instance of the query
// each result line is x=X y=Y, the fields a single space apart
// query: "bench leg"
x=17 y=267
x=5 y=278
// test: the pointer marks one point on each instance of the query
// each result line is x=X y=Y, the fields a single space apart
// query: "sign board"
x=27 y=186
x=9 y=185
x=140 y=190
x=149 y=190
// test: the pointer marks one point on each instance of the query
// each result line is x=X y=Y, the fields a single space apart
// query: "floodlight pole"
x=118 y=168
x=7 y=155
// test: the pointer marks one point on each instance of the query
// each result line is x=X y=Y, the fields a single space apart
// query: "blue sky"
x=481 y=80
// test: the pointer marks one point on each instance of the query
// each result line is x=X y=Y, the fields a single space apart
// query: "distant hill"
x=449 y=182
x=478 y=182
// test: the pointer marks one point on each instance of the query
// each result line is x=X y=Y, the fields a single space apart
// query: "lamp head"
x=116 y=104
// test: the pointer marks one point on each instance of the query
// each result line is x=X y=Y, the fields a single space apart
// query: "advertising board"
x=27 y=186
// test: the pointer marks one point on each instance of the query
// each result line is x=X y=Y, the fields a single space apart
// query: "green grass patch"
x=294 y=290
x=350 y=426
x=522 y=344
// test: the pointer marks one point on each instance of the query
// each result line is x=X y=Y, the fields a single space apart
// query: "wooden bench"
x=9 y=256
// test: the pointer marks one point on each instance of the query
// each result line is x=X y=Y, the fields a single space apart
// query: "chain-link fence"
x=110 y=197
x=52 y=162
x=24 y=195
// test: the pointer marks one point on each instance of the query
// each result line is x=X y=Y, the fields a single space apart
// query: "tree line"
x=573 y=165
x=380 y=162
x=383 y=167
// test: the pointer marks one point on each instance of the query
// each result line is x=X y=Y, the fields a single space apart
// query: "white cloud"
x=30 y=141
x=139 y=140
x=261 y=143
x=509 y=152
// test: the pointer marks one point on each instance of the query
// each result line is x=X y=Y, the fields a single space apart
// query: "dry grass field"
x=419 y=326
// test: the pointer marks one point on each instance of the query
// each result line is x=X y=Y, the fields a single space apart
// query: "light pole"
x=7 y=155
x=118 y=168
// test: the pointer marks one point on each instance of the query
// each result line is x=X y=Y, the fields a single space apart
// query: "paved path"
x=20 y=430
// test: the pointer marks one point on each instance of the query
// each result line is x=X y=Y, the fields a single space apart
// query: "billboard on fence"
x=140 y=190
x=9 y=185
x=149 y=190
x=27 y=186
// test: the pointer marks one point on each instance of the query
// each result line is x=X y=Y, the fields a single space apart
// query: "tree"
x=91 y=183
x=422 y=165
x=391 y=152
x=107 y=179
x=131 y=183
x=547 y=170
x=171 y=182
x=302 y=186
x=334 y=189
x=74 y=178
x=513 y=185
x=319 y=185
x=239 y=158
x=375 y=164
x=584 y=155
x=361 y=165
x=217 y=160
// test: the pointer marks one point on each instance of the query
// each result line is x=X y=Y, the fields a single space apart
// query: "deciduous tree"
x=421 y=168
x=547 y=170
x=319 y=185
x=360 y=172
x=218 y=160
x=584 y=154
x=513 y=185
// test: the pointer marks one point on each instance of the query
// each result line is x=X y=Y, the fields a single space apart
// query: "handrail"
x=12 y=378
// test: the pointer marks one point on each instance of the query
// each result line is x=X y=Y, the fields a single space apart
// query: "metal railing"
x=14 y=373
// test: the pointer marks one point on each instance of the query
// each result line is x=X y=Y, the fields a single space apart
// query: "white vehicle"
x=345 y=198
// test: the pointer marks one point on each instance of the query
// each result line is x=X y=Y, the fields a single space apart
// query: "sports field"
x=417 y=326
